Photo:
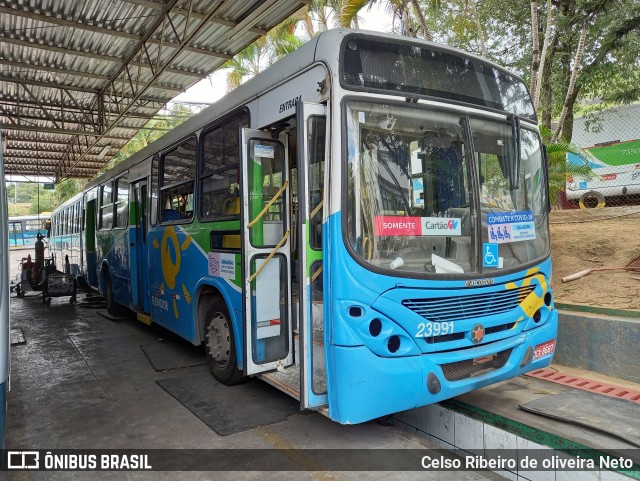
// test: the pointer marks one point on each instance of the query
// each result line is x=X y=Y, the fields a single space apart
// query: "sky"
x=376 y=19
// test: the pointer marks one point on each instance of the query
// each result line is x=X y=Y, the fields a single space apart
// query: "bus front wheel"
x=220 y=344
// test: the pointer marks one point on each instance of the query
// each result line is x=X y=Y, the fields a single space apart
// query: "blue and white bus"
x=5 y=354
x=24 y=229
x=66 y=240
x=363 y=225
x=609 y=142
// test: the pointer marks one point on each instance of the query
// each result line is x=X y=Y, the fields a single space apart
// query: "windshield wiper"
x=514 y=166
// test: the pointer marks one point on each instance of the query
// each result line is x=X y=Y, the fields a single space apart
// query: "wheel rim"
x=591 y=202
x=219 y=340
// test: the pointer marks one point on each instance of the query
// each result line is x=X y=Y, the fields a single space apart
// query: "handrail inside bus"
x=367 y=247
x=269 y=204
x=316 y=210
x=316 y=274
x=251 y=278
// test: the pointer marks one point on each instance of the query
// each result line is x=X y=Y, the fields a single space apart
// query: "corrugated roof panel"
x=57 y=55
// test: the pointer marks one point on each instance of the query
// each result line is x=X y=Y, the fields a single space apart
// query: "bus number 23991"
x=430 y=329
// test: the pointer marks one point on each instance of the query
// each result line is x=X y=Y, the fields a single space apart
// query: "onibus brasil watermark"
x=70 y=461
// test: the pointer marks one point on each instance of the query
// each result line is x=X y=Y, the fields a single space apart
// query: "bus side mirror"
x=47 y=226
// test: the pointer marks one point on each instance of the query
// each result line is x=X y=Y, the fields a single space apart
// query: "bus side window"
x=219 y=173
x=122 y=202
x=178 y=178
x=106 y=207
x=154 y=191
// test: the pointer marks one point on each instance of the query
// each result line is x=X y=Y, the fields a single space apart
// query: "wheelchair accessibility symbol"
x=490 y=255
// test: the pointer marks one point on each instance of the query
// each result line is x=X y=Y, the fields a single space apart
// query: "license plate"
x=544 y=349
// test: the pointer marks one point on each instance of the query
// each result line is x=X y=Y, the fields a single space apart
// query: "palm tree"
x=317 y=17
x=282 y=40
x=325 y=14
x=408 y=13
x=246 y=63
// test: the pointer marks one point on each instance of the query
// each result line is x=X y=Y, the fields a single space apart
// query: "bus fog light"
x=375 y=327
x=393 y=344
x=433 y=383
x=537 y=315
x=528 y=355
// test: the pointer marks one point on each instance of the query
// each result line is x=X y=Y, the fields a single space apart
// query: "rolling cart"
x=58 y=284
x=42 y=275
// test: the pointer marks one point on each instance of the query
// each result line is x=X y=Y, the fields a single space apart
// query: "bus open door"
x=312 y=147
x=266 y=263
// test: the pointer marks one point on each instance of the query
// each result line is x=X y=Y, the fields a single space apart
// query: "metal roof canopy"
x=79 y=79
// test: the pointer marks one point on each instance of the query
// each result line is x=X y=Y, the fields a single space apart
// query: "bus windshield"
x=413 y=194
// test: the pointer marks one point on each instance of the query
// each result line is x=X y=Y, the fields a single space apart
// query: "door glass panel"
x=316 y=143
x=269 y=297
x=318 y=372
x=266 y=177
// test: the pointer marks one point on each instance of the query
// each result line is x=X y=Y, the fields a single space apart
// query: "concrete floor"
x=82 y=381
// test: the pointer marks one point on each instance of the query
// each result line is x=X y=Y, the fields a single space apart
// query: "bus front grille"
x=456 y=371
x=440 y=309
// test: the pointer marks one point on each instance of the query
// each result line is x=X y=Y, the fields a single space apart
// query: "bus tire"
x=592 y=200
x=219 y=343
x=112 y=307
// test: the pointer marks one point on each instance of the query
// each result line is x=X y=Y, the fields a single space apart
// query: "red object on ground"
x=565 y=203
x=585 y=384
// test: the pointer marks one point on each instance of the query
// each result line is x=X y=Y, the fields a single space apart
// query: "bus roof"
x=14 y=218
x=323 y=48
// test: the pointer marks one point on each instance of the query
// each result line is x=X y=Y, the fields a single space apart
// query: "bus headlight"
x=380 y=334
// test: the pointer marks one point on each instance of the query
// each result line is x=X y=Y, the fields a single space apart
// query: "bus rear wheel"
x=220 y=344
x=112 y=307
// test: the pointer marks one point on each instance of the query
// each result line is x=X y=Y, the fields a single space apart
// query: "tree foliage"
x=409 y=17
x=29 y=198
x=152 y=131
x=317 y=17
x=67 y=189
x=609 y=69
x=559 y=168
x=32 y=198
